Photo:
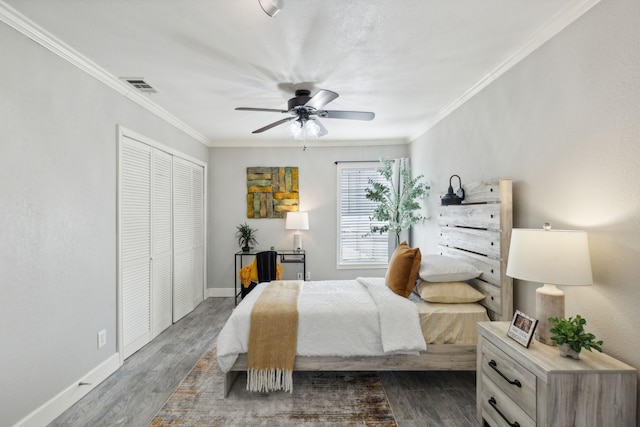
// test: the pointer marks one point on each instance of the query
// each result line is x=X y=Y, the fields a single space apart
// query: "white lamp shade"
x=558 y=257
x=297 y=221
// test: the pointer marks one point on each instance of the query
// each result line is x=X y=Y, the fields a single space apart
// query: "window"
x=356 y=247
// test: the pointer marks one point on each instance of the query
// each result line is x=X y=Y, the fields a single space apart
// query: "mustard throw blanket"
x=249 y=273
x=273 y=336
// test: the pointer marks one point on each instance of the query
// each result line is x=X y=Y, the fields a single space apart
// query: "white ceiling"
x=409 y=61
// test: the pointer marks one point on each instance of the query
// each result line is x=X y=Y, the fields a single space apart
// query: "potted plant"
x=571 y=337
x=246 y=236
x=397 y=209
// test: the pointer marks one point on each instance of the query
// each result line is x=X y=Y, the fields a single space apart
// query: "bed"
x=477 y=232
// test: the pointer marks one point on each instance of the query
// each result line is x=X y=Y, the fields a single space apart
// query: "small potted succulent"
x=246 y=236
x=571 y=337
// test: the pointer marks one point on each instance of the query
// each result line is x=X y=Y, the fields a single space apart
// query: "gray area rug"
x=318 y=399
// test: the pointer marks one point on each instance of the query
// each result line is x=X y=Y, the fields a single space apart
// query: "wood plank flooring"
x=137 y=391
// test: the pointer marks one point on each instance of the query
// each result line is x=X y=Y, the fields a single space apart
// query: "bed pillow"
x=448 y=292
x=438 y=268
x=403 y=269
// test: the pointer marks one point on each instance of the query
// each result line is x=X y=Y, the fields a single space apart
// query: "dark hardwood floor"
x=136 y=392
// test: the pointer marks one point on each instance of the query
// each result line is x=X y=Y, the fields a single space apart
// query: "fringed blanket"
x=273 y=336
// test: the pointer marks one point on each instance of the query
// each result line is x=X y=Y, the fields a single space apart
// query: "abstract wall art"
x=272 y=191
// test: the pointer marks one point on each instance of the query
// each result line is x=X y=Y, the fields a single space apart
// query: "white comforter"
x=361 y=317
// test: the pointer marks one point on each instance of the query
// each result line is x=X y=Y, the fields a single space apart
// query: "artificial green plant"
x=571 y=331
x=246 y=236
x=397 y=210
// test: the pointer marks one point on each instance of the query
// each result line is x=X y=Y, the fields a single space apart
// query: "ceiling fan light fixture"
x=300 y=130
x=312 y=128
x=295 y=129
x=271 y=7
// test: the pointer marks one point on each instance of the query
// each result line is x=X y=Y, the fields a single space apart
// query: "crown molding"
x=554 y=26
x=315 y=142
x=24 y=25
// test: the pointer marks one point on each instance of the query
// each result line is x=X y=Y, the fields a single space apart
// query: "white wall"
x=565 y=125
x=317 y=183
x=58 y=219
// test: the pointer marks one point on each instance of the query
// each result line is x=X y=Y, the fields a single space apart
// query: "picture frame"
x=522 y=328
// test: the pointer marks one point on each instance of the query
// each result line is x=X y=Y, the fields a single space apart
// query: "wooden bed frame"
x=479 y=232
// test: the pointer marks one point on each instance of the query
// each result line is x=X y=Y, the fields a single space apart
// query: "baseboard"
x=220 y=292
x=49 y=411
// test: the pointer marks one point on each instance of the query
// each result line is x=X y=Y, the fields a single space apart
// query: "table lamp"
x=551 y=257
x=297 y=221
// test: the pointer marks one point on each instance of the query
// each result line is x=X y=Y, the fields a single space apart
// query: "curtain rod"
x=356 y=161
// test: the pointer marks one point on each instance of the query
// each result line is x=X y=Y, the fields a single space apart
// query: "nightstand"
x=535 y=386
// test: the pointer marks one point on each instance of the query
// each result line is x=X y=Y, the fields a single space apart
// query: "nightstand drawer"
x=499 y=409
x=510 y=377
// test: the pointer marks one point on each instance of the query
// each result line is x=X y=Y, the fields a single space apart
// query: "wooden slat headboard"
x=479 y=232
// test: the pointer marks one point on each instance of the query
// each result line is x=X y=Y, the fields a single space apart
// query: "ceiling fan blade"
x=350 y=115
x=322 y=131
x=261 y=109
x=274 y=124
x=320 y=99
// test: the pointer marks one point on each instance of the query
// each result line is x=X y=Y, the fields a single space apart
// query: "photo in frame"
x=521 y=328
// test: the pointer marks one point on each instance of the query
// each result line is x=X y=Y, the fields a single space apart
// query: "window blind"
x=356 y=247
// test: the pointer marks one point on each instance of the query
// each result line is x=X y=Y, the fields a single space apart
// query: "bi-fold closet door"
x=188 y=221
x=161 y=240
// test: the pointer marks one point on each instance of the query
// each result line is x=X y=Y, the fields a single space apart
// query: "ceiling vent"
x=140 y=84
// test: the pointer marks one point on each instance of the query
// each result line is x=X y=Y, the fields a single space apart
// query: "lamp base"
x=549 y=303
x=297 y=241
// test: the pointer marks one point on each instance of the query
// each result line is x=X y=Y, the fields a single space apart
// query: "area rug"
x=318 y=399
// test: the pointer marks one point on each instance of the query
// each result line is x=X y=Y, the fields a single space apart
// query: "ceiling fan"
x=305 y=109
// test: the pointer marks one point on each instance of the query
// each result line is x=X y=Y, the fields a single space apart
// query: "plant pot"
x=567 y=351
x=246 y=249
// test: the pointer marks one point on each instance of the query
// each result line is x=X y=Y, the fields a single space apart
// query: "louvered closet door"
x=188 y=236
x=136 y=244
x=162 y=247
x=197 y=212
x=183 y=295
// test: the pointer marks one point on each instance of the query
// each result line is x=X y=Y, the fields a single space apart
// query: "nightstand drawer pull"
x=494 y=404
x=494 y=366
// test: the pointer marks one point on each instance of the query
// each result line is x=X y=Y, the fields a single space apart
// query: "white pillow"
x=439 y=268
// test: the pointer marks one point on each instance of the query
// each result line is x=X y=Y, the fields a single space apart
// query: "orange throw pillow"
x=403 y=269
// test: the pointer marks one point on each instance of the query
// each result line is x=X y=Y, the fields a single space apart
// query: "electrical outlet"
x=308 y=275
x=299 y=276
x=102 y=338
